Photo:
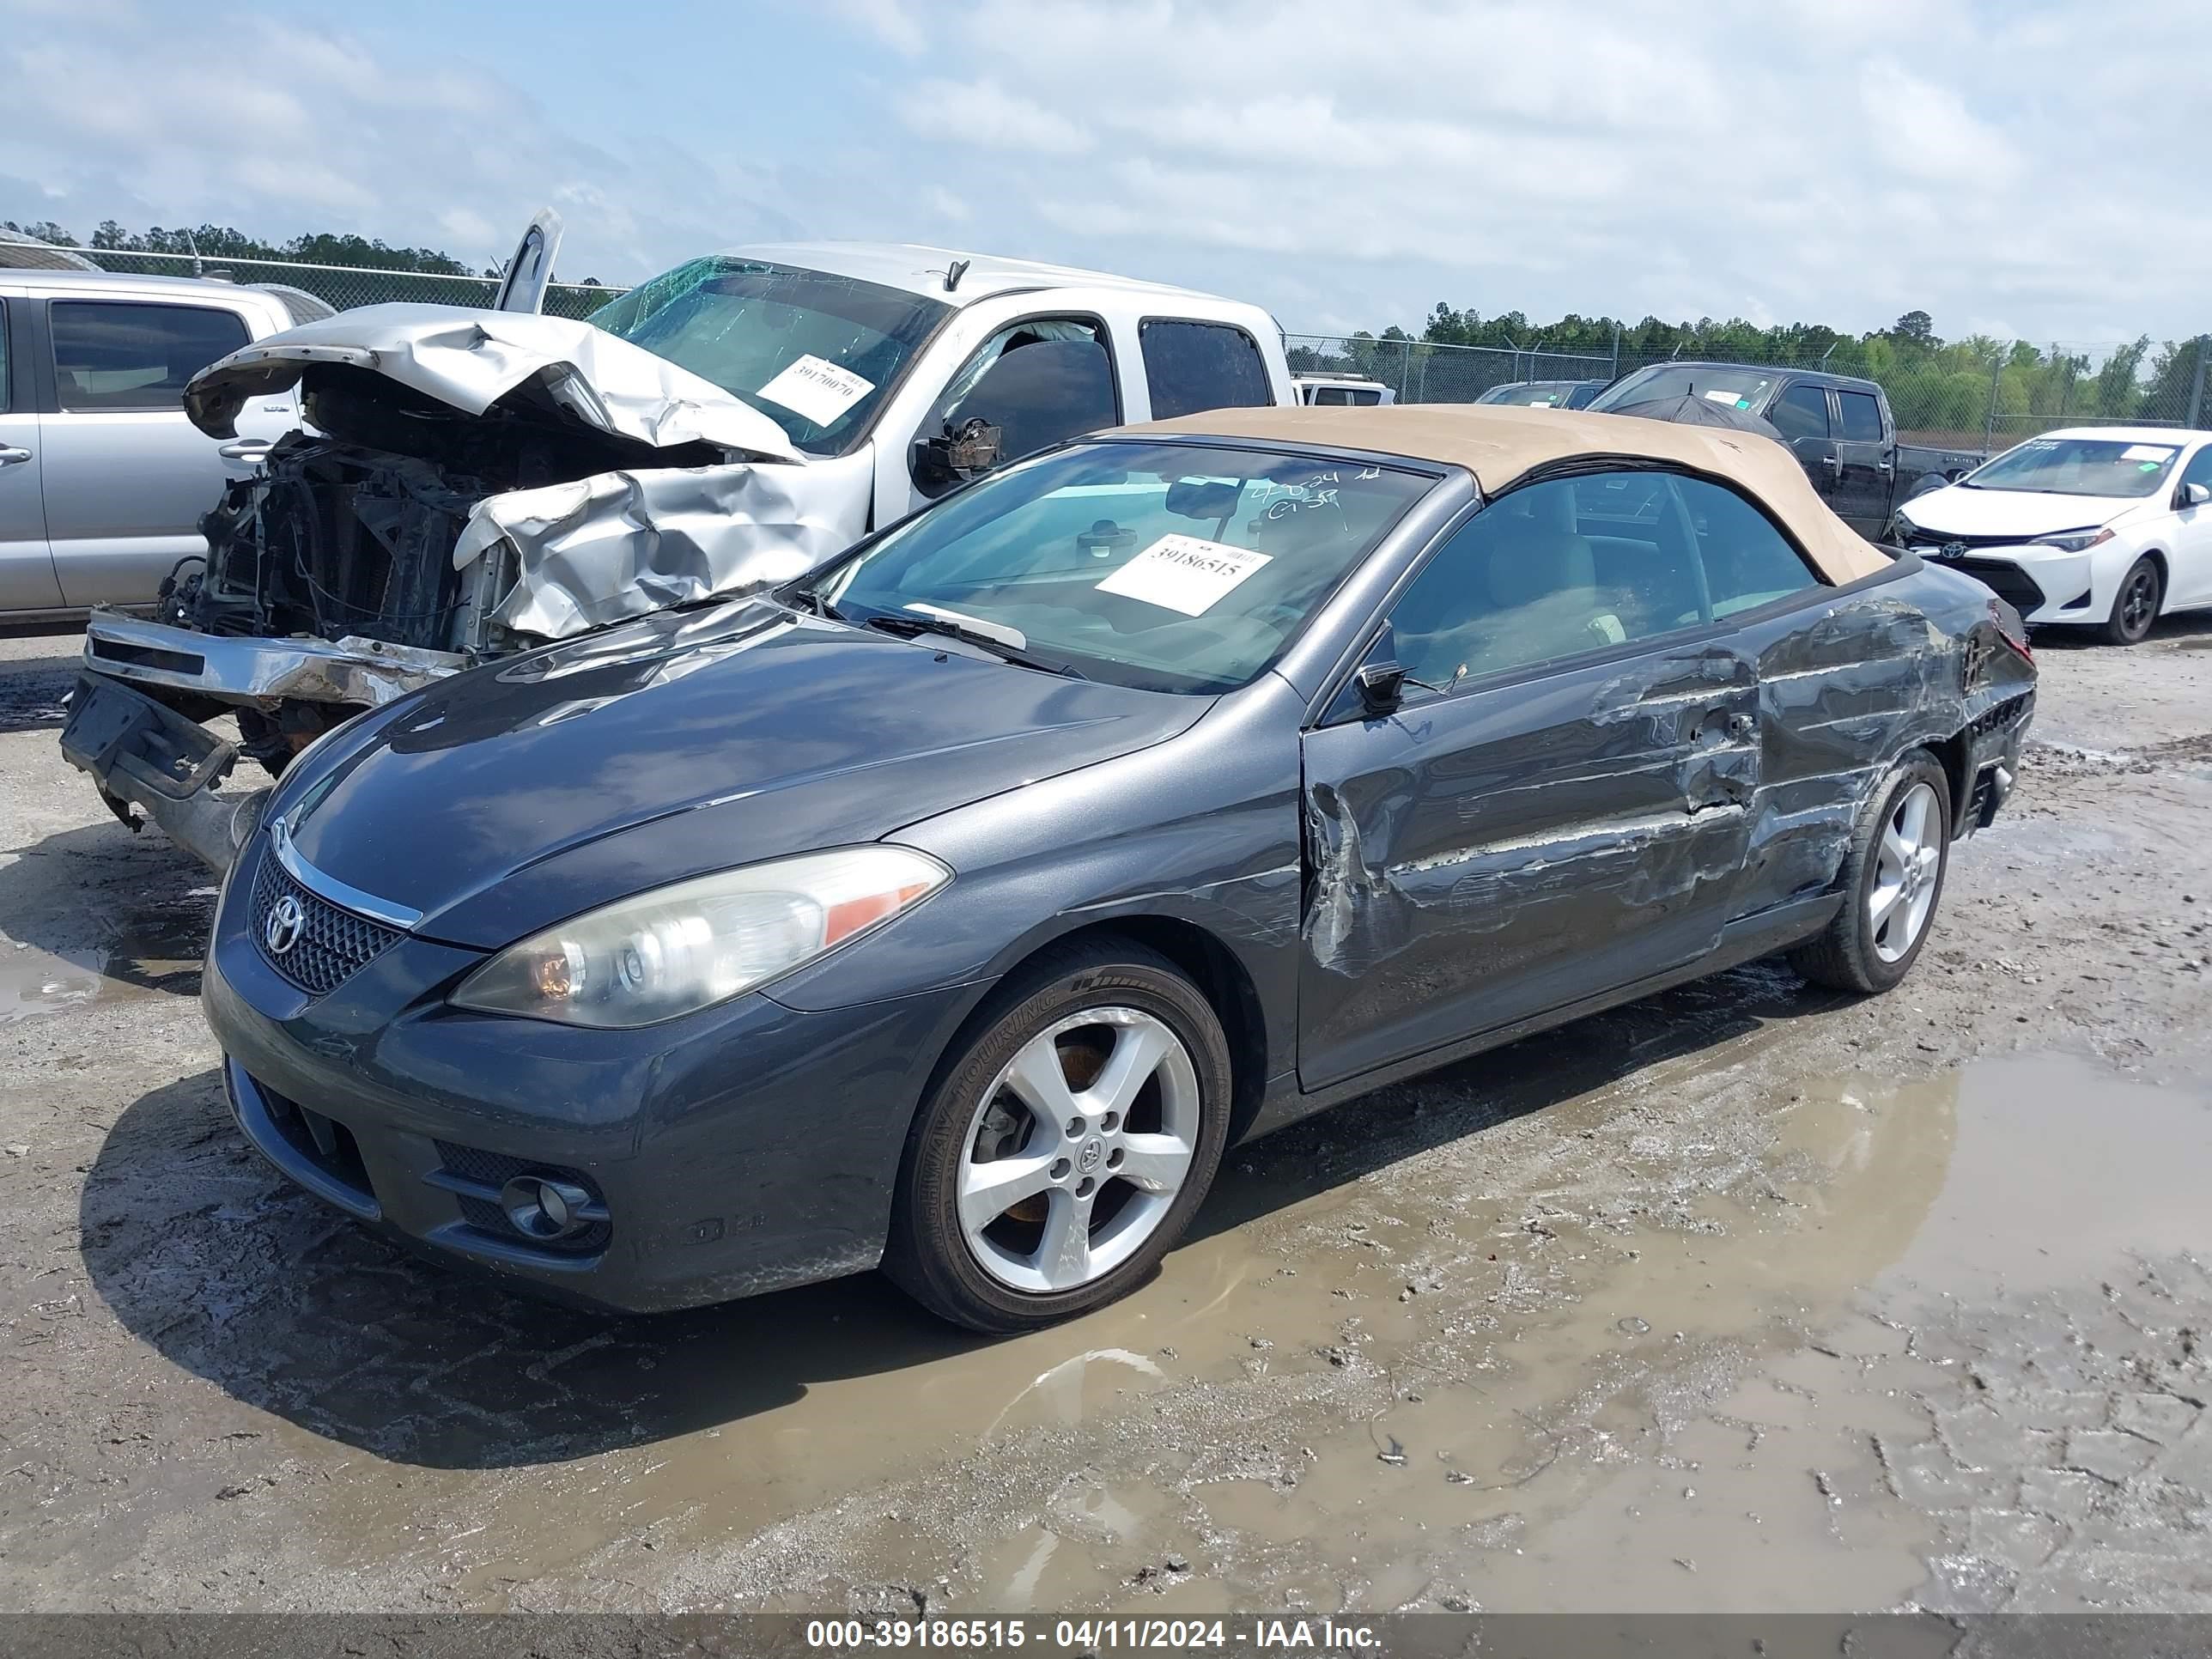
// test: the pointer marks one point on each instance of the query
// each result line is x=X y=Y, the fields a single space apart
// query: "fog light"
x=544 y=1209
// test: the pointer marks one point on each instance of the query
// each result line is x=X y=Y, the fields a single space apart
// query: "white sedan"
x=2104 y=527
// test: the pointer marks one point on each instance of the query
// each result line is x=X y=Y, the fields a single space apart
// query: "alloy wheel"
x=1908 y=860
x=2138 y=603
x=1076 y=1151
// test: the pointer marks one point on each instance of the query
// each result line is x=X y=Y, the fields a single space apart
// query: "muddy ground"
x=1745 y=1297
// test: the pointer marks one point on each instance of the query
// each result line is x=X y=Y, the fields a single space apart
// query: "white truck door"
x=1034 y=381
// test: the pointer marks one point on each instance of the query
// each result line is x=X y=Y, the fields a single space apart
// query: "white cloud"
x=1771 y=158
x=982 y=113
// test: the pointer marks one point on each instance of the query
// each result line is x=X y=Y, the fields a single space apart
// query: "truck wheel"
x=1066 y=1146
x=2135 y=607
x=1892 y=877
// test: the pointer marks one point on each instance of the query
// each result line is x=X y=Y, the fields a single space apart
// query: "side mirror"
x=958 y=455
x=1381 y=688
x=2193 y=495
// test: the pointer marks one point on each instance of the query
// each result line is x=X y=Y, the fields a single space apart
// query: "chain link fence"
x=344 y=287
x=1975 y=394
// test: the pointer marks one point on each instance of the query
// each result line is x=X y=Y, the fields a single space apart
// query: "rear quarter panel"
x=1910 y=660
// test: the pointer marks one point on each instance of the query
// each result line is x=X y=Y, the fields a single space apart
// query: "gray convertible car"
x=953 y=907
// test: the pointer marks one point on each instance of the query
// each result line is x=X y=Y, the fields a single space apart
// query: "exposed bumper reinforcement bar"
x=142 y=754
x=371 y=672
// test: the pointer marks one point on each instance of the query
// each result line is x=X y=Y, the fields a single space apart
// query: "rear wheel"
x=1892 y=877
x=2135 y=607
x=1063 y=1153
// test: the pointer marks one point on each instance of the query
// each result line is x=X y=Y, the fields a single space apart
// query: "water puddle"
x=140 y=954
x=1599 y=1336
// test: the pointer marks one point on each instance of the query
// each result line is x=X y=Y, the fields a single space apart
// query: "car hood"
x=1957 y=510
x=503 y=800
x=472 y=359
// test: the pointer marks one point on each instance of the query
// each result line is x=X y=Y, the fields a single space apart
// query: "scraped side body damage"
x=1475 y=862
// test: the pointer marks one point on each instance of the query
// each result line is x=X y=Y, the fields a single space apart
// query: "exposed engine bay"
x=471 y=484
x=351 y=535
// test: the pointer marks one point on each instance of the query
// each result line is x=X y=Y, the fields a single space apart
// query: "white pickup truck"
x=477 y=483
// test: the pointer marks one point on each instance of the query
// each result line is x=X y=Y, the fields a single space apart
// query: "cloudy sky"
x=2010 y=168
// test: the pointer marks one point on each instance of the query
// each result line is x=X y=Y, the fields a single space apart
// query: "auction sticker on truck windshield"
x=817 y=389
x=1182 y=573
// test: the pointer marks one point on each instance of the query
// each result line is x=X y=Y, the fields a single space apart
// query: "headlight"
x=2075 y=541
x=684 y=947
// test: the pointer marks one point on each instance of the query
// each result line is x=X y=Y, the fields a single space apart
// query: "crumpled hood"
x=1957 y=510
x=505 y=799
x=470 y=359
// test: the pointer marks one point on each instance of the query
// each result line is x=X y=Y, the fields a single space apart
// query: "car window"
x=1801 y=412
x=1573 y=565
x=130 y=354
x=1366 y=399
x=2112 y=467
x=1746 y=561
x=5 y=389
x=1167 y=567
x=1736 y=388
x=2199 y=469
x=1199 y=366
x=1862 y=417
x=1040 y=382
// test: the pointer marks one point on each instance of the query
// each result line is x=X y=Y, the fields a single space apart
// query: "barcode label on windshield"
x=817 y=389
x=1182 y=573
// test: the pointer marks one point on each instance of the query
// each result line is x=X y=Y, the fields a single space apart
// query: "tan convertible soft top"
x=1501 y=444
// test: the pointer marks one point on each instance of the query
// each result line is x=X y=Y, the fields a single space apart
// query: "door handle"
x=246 y=449
x=1831 y=463
x=11 y=454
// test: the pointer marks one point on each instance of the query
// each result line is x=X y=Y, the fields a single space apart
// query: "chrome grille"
x=333 y=944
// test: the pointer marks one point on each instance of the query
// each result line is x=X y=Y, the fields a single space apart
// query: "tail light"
x=2011 y=628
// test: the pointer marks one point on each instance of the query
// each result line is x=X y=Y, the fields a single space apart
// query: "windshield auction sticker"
x=2146 y=452
x=817 y=389
x=1181 y=573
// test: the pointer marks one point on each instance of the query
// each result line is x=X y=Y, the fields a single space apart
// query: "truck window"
x=1862 y=417
x=126 y=353
x=1801 y=412
x=1034 y=401
x=1331 y=394
x=1199 y=366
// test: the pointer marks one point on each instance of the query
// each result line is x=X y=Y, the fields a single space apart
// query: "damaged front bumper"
x=368 y=673
x=148 y=759
x=143 y=755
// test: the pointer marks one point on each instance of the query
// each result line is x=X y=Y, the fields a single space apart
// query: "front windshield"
x=1166 y=567
x=815 y=353
x=1534 y=394
x=2078 y=466
x=1736 y=388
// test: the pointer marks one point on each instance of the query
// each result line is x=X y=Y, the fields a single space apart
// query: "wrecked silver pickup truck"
x=474 y=484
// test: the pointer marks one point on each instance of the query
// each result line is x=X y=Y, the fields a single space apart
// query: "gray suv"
x=102 y=479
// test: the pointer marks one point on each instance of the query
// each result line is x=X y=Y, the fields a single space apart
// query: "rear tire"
x=1893 y=880
x=1099 y=1058
x=2136 y=606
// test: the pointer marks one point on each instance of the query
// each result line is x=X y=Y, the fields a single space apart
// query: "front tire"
x=2136 y=606
x=1893 y=878
x=1064 y=1149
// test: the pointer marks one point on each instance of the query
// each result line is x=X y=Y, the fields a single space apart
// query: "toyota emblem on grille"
x=1952 y=550
x=286 y=921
